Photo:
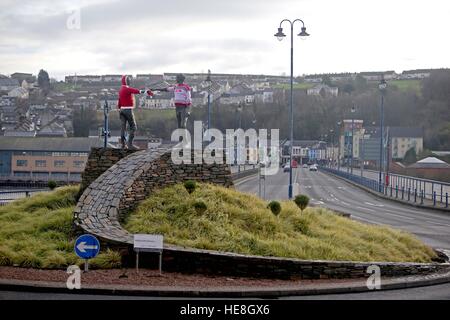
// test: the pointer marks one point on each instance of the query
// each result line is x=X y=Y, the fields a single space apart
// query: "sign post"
x=148 y=243
x=87 y=247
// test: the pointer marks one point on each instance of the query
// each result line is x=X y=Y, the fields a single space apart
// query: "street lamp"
x=280 y=36
x=382 y=86
x=332 y=148
x=209 y=82
x=353 y=110
x=339 y=145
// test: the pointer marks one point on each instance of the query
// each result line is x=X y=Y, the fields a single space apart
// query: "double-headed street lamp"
x=280 y=36
x=382 y=86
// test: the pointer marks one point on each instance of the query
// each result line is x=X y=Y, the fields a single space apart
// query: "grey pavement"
x=433 y=227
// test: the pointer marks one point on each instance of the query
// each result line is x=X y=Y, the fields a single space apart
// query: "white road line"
x=367 y=209
x=374 y=205
x=363 y=219
x=438 y=224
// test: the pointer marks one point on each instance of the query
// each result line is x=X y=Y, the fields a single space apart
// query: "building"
x=415 y=74
x=43 y=159
x=403 y=139
x=84 y=79
x=20 y=77
x=305 y=151
x=264 y=96
x=346 y=140
x=19 y=92
x=162 y=100
x=7 y=84
x=430 y=168
x=323 y=90
x=379 y=75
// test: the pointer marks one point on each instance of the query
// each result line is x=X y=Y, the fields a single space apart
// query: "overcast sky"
x=227 y=36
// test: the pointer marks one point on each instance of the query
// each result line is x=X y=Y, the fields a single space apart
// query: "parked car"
x=286 y=167
x=313 y=167
x=305 y=166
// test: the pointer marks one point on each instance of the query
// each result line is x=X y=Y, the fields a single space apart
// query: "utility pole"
x=106 y=127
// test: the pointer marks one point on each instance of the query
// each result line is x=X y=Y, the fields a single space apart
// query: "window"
x=40 y=163
x=21 y=173
x=60 y=154
x=59 y=163
x=78 y=164
x=22 y=163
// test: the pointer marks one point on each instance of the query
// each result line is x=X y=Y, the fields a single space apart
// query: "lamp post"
x=106 y=122
x=353 y=110
x=280 y=36
x=339 y=146
x=382 y=86
x=209 y=82
x=238 y=126
x=332 y=148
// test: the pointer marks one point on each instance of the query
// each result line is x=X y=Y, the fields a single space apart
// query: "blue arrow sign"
x=87 y=246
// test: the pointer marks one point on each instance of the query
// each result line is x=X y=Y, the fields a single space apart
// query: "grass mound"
x=35 y=232
x=242 y=223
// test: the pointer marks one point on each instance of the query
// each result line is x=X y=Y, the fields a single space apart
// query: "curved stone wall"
x=106 y=201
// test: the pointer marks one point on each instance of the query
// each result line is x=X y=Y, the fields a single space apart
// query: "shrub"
x=200 y=207
x=52 y=185
x=301 y=201
x=275 y=207
x=190 y=186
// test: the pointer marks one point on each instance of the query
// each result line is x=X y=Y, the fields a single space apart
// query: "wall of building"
x=399 y=146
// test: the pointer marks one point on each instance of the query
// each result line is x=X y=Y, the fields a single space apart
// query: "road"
x=437 y=292
x=407 y=182
x=433 y=227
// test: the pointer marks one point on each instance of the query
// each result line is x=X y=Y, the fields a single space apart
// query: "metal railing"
x=9 y=196
x=409 y=189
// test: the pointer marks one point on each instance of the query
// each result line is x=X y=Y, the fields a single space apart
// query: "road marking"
x=438 y=224
x=371 y=210
x=374 y=205
x=363 y=219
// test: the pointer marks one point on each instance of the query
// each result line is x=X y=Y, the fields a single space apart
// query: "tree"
x=83 y=120
x=410 y=156
x=301 y=201
x=275 y=207
x=44 y=82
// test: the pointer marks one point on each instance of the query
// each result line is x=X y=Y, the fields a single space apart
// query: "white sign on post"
x=148 y=243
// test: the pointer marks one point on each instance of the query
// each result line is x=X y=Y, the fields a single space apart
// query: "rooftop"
x=49 y=144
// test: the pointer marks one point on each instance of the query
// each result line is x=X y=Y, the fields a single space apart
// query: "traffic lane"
x=365 y=201
x=437 y=292
x=276 y=185
x=333 y=193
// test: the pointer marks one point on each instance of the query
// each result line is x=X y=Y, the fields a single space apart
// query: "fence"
x=8 y=196
x=410 y=189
